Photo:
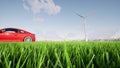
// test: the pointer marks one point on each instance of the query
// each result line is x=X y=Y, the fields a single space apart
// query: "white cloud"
x=49 y=35
x=101 y=34
x=25 y=7
x=74 y=36
x=38 y=6
x=54 y=35
x=116 y=35
x=51 y=8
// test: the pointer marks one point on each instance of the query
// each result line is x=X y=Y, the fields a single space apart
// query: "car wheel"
x=27 y=39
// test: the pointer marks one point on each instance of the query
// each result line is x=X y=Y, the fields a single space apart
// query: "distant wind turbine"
x=84 y=24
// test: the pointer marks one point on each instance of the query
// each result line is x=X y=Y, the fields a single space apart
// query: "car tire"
x=27 y=39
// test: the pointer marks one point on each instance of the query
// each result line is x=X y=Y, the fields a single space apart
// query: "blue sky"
x=56 y=20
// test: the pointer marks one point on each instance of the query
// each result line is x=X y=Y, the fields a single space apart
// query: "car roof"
x=12 y=28
x=16 y=29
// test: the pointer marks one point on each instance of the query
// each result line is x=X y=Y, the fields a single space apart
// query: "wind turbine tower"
x=84 y=25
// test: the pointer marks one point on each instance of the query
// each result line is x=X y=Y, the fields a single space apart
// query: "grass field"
x=72 y=54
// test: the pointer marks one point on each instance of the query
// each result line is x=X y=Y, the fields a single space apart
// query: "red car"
x=16 y=35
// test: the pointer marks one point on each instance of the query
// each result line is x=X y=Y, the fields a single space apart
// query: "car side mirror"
x=22 y=32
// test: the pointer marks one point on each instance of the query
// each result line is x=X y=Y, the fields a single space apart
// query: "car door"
x=2 y=37
x=12 y=36
x=17 y=35
x=9 y=35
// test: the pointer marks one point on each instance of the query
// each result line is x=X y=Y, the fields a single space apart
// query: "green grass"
x=74 y=54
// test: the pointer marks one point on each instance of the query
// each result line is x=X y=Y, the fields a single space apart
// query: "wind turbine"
x=84 y=25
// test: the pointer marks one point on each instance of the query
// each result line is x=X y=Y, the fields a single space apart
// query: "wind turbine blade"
x=79 y=15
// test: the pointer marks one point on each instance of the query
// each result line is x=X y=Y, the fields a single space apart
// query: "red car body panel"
x=14 y=35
